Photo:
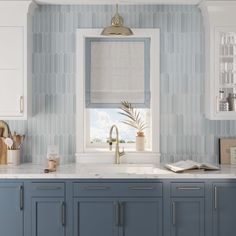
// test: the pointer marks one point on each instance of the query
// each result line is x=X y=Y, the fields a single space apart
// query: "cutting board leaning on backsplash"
x=4 y=133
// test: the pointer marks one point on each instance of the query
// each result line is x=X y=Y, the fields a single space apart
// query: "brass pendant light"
x=117 y=27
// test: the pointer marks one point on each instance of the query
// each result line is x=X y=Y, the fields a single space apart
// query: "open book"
x=181 y=166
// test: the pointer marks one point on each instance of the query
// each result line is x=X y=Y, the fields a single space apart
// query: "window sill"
x=130 y=157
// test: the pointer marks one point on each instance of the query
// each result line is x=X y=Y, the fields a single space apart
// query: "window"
x=101 y=62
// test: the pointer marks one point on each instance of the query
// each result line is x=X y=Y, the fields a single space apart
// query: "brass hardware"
x=173 y=213
x=141 y=187
x=215 y=197
x=21 y=104
x=121 y=214
x=118 y=154
x=63 y=213
x=117 y=27
x=48 y=188
x=21 y=197
x=96 y=187
x=117 y=213
x=188 y=188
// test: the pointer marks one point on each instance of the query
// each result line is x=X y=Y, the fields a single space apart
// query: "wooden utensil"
x=6 y=131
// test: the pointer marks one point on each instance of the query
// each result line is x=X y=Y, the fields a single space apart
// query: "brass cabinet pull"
x=117 y=213
x=48 y=188
x=121 y=214
x=63 y=213
x=21 y=197
x=21 y=104
x=215 y=197
x=173 y=213
x=188 y=188
x=141 y=187
x=96 y=187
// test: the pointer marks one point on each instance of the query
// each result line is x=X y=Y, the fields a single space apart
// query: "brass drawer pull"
x=141 y=187
x=96 y=187
x=173 y=213
x=188 y=188
x=215 y=197
x=48 y=188
x=21 y=104
x=21 y=197
x=63 y=213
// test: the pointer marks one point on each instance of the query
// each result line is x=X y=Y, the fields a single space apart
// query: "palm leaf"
x=135 y=119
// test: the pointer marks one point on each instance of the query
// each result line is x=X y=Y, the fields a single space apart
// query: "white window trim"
x=83 y=154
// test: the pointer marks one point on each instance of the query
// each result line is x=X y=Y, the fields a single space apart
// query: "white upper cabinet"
x=15 y=59
x=220 y=49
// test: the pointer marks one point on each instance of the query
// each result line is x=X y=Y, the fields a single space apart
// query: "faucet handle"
x=110 y=145
x=123 y=152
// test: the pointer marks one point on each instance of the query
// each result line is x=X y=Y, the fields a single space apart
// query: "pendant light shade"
x=117 y=27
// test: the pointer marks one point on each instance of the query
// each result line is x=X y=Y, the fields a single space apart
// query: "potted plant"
x=134 y=120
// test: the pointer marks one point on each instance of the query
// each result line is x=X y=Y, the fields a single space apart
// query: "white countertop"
x=109 y=171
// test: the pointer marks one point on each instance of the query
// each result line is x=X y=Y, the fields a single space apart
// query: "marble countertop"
x=109 y=171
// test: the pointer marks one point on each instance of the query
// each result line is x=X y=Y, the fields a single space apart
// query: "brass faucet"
x=118 y=154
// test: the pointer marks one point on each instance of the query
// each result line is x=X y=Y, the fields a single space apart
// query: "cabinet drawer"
x=47 y=189
x=187 y=189
x=118 y=189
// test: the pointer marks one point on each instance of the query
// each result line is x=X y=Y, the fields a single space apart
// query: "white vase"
x=140 y=143
x=13 y=157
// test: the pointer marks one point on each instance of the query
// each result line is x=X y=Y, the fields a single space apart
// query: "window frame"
x=84 y=154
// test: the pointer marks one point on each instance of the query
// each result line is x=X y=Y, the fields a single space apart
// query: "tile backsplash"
x=185 y=132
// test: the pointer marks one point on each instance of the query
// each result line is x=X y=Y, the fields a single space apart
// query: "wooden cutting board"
x=3 y=152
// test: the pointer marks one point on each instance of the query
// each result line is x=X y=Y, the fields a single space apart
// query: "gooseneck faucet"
x=118 y=154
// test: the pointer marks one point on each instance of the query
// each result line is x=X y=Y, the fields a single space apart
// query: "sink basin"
x=125 y=169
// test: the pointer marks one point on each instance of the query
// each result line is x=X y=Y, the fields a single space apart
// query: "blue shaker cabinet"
x=224 y=209
x=140 y=216
x=48 y=216
x=95 y=216
x=11 y=209
x=187 y=217
x=118 y=209
x=187 y=204
x=45 y=209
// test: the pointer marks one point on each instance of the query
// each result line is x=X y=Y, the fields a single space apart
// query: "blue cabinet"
x=140 y=216
x=117 y=209
x=95 y=216
x=224 y=209
x=11 y=209
x=48 y=216
x=45 y=209
x=187 y=203
x=187 y=217
x=113 y=217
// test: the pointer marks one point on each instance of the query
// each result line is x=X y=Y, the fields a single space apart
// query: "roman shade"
x=117 y=69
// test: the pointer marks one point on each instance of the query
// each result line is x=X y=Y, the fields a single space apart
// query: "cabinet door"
x=95 y=216
x=224 y=213
x=11 y=71
x=11 y=209
x=140 y=216
x=48 y=216
x=187 y=217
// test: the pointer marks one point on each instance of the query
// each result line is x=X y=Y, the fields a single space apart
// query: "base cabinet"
x=95 y=217
x=48 y=216
x=140 y=216
x=187 y=217
x=11 y=209
x=112 y=208
x=224 y=213
x=113 y=217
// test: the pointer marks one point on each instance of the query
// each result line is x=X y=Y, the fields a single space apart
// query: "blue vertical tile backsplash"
x=185 y=132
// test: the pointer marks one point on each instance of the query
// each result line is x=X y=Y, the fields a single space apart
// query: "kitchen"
x=186 y=123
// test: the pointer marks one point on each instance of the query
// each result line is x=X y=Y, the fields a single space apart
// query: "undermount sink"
x=125 y=169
